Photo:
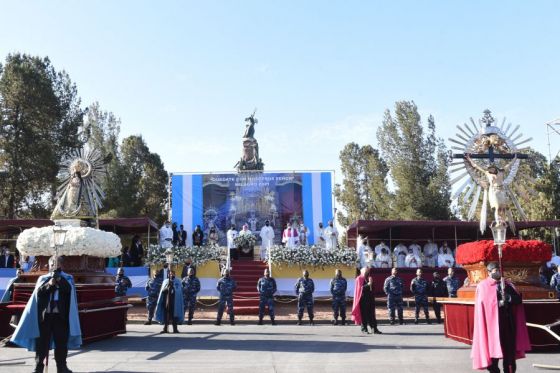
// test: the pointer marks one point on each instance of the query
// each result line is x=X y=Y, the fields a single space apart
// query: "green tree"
x=40 y=118
x=363 y=193
x=417 y=163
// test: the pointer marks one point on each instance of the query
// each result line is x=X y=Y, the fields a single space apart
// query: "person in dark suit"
x=137 y=250
x=175 y=234
x=197 y=236
x=7 y=260
x=182 y=236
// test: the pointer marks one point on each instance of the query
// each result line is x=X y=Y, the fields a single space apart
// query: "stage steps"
x=246 y=273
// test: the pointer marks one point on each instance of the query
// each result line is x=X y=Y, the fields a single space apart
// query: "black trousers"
x=437 y=309
x=234 y=254
x=368 y=314
x=55 y=326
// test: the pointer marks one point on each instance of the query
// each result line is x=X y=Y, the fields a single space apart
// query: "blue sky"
x=185 y=74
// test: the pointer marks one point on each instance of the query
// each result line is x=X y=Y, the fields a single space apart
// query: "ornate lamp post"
x=499 y=230
x=59 y=236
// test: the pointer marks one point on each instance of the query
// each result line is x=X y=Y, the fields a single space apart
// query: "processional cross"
x=490 y=159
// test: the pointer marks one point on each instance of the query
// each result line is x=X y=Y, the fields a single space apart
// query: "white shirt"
x=290 y=237
x=400 y=252
x=445 y=260
x=383 y=261
x=413 y=261
x=231 y=235
x=267 y=237
x=331 y=237
x=430 y=250
x=416 y=249
x=379 y=247
x=166 y=237
x=320 y=237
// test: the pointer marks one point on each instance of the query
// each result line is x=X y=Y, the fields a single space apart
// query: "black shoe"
x=392 y=322
x=364 y=330
x=189 y=322
x=273 y=322
x=175 y=331
x=260 y=322
x=231 y=322
x=63 y=369
x=401 y=322
x=218 y=323
x=343 y=322
x=149 y=322
x=415 y=322
x=299 y=322
x=311 y=322
x=429 y=321
x=39 y=368
x=377 y=331
x=163 y=331
x=334 y=322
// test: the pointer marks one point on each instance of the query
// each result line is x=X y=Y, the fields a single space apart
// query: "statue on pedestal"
x=250 y=160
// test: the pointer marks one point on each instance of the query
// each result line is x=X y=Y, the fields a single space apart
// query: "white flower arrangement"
x=197 y=255
x=314 y=256
x=78 y=241
x=245 y=240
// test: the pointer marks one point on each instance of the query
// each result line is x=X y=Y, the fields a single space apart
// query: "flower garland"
x=245 y=240
x=197 y=255
x=78 y=241
x=314 y=256
x=512 y=251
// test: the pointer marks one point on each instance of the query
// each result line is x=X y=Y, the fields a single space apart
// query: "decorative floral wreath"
x=314 y=256
x=512 y=251
x=245 y=240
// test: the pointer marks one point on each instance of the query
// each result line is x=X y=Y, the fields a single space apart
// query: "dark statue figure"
x=250 y=160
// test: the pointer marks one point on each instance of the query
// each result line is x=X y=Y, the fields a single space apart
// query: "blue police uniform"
x=555 y=283
x=304 y=290
x=393 y=287
x=122 y=284
x=191 y=287
x=419 y=287
x=153 y=287
x=226 y=287
x=266 y=286
x=453 y=285
x=338 y=292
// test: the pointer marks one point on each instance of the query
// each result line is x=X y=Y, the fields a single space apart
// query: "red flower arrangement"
x=512 y=251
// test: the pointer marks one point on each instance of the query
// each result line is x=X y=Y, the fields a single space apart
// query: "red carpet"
x=246 y=273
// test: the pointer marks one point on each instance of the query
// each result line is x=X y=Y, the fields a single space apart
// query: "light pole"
x=499 y=230
x=59 y=236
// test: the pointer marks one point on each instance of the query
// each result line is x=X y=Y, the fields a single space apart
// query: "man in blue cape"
x=170 y=306
x=50 y=318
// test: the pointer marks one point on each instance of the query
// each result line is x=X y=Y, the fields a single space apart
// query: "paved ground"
x=247 y=347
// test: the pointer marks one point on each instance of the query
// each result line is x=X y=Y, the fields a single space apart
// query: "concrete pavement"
x=284 y=348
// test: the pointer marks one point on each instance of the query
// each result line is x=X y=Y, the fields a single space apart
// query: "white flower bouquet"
x=197 y=255
x=78 y=241
x=313 y=256
x=245 y=240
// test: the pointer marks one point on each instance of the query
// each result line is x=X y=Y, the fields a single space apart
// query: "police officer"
x=266 y=286
x=153 y=287
x=122 y=283
x=452 y=283
x=304 y=291
x=437 y=288
x=419 y=287
x=338 y=292
x=191 y=287
x=393 y=287
x=226 y=286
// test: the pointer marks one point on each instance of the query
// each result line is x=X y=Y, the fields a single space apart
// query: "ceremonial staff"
x=169 y=259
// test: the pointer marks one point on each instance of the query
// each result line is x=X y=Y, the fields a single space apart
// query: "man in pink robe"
x=499 y=327
x=363 y=308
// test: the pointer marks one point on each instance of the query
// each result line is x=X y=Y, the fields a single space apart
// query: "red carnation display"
x=521 y=260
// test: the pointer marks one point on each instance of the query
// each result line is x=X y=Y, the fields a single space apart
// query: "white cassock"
x=383 y=261
x=165 y=237
x=413 y=261
x=554 y=260
x=449 y=251
x=400 y=253
x=361 y=252
x=430 y=254
x=320 y=237
x=290 y=237
x=267 y=237
x=331 y=237
x=379 y=247
x=231 y=235
x=445 y=260
x=416 y=249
